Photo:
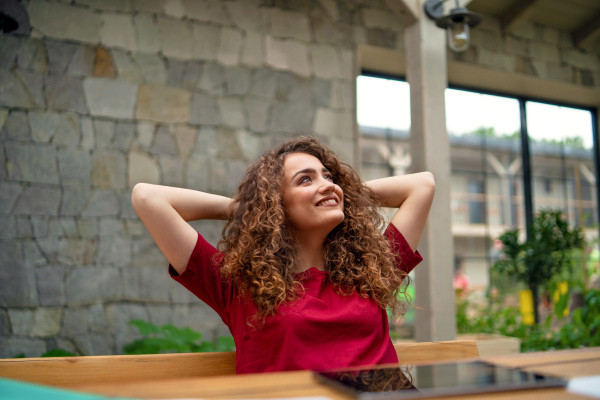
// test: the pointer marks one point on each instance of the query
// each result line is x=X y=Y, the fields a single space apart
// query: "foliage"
x=542 y=256
x=171 y=339
x=56 y=352
x=580 y=329
x=575 y=142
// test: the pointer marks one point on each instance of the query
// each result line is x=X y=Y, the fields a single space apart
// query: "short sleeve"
x=202 y=277
x=406 y=259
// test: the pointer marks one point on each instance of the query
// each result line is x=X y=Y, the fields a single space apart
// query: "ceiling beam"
x=406 y=10
x=519 y=12
x=586 y=32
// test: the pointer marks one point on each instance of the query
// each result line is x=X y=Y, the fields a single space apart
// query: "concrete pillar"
x=430 y=148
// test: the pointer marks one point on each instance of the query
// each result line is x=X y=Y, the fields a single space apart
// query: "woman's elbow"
x=428 y=180
x=139 y=195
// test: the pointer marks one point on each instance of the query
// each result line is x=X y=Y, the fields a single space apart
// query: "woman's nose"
x=327 y=186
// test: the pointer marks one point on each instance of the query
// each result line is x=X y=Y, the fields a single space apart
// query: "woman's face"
x=312 y=201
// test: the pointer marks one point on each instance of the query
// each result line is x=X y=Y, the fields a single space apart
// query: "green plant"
x=56 y=352
x=544 y=254
x=171 y=339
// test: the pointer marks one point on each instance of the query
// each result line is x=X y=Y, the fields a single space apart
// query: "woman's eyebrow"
x=308 y=171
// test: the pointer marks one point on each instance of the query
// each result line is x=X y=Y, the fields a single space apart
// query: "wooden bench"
x=64 y=371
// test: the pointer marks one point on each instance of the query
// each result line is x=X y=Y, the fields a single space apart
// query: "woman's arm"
x=412 y=194
x=165 y=211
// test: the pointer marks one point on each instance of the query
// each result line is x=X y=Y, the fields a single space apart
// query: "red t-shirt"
x=319 y=331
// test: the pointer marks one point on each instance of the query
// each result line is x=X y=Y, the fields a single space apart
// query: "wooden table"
x=565 y=363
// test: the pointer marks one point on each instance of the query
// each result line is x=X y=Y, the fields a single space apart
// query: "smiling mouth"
x=327 y=202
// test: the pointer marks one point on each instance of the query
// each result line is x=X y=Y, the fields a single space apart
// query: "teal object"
x=17 y=390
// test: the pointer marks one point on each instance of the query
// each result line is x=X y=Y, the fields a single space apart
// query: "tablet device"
x=455 y=378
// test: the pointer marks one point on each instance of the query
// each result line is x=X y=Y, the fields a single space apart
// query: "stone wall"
x=533 y=50
x=104 y=94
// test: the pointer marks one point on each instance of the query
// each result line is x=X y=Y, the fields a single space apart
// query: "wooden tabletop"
x=565 y=363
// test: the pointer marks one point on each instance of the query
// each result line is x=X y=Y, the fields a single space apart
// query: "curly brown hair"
x=260 y=250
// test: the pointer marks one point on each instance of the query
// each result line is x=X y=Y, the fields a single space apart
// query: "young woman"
x=303 y=273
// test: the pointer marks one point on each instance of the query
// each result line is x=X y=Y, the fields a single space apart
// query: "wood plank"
x=427 y=352
x=587 y=32
x=546 y=358
x=519 y=12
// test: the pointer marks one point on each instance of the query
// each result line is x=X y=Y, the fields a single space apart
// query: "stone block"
x=109 y=170
x=16 y=127
x=237 y=80
x=87 y=133
x=60 y=54
x=296 y=54
x=264 y=83
x=252 y=147
x=3 y=117
x=204 y=110
x=105 y=132
x=230 y=47
x=34 y=84
x=163 y=104
x=146 y=284
x=83 y=61
x=171 y=170
x=69 y=227
x=248 y=16
x=174 y=8
x=21 y=292
x=160 y=314
x=550 y=35
x=348 y=68
x=378 y=18
x=257 y=110
x=118 y=317
x=184 y=74
x=87 y=227
x=111 y=227
x=146 y=253
x=8 y=196
x=46 y=322
x=12 y=91
x=134 y=227
x=104 y=66
x=185 y=136
x=110 y=97
x=94 y=344
x=275 y=54
x=145 y=135
x=67 y=130
x=321 y=92
x=9 y=48
x=544 y=52
x=206 y=41
x=38 y=201
x=288 y=24
x=101 y=203
x=147 y=33
x=228 y=146
x=51 y=285
x=197 y=173
x=75 y=167
x=124 y=133
x=579 y=58
x=32 y=55
x=12 y=346
x=152 y=68
x=49 y=18
x=88 y=285
x=252 y=49
x=525 y=29
x=213 y=79
x=114 y=250
x=516 y=45
x=338 y=34
x=23 y=227
x=9 y=228
x=151 y=6
x=77 y=251
x=381 y=38
x=325 y=61
x=142 y=168
x=43 y=125
x=212 y=11
x=108 y=5
x=290 y=117
x=127 y=69
x=118 y=31
x=4 y=324
x=96 y=318
x=205 y=143
x=64 y=93
x=31 y=163
x=232 y=112
x=164 y=142
x=127 y=211
x=73 y=200
x=176 y=38
x=48 y=248
x=75 y=321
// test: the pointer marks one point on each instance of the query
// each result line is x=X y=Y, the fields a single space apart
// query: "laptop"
x=446 y=379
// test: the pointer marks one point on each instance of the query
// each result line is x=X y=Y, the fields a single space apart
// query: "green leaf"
x=58 y=353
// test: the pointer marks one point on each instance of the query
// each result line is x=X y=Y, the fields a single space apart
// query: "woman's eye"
x=304 y=179
x=330 y=177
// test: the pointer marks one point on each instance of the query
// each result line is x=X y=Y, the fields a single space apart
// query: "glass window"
x=562 y=161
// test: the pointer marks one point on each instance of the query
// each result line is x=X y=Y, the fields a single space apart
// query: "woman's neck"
x=310 y=254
